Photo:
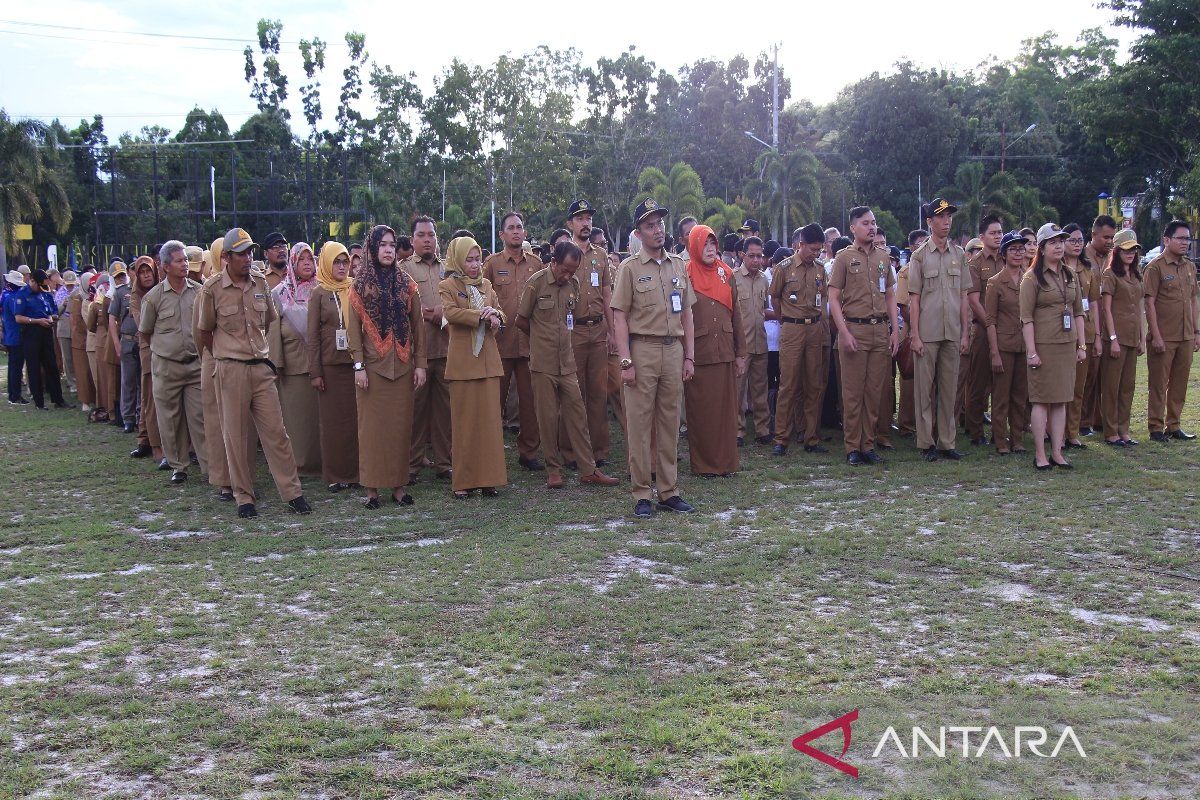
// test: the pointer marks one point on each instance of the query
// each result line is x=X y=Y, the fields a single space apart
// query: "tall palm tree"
x=1029 y=210
x=724 y=217
x=789 y=188
x=976 y=197
x=679 y=190
x=26 y=182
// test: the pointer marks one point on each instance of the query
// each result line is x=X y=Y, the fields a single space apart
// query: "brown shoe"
x=553 y=479
x=599 y=479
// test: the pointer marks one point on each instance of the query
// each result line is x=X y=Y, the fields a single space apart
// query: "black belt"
x=867 y=320
x=253 y=361
x=185 y=360
x=653 y=337
x=801 y=320
x=596 y=320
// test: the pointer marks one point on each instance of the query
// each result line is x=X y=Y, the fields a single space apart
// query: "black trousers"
x=16 y=363
x=43 y=366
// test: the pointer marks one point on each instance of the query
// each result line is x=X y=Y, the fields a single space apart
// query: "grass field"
x=547 y=646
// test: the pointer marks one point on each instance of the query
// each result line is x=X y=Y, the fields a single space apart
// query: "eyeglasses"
x=1074 y=240
x=1182 y=239
x=278 y=245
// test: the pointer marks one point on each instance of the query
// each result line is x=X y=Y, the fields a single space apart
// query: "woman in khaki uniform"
x=85 y=387
x=1052 y=320
x=1124 y=337
x=720 y=359
x=384 y=330
x=331 y=368
x=97 y=325
x=1086 y=371
x=289 y=352
x=473 y=370
x=1010 y=391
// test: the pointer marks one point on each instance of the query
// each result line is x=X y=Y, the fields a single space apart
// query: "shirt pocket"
x=502 y=277
x=168 y=319
x=260 y=312
x=229 y=320
x=644 y=294
x=545 y=303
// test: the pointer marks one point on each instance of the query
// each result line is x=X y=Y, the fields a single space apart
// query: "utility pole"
x=775 y=143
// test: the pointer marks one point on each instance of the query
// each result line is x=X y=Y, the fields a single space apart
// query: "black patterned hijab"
x=382 y=298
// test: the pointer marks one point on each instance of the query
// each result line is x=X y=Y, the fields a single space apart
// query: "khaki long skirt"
x=1054 y=381
x=85 y=387
x=338 y=410
x=476 y=435
x=298 y=401
x=385 y=412
x=711 y=397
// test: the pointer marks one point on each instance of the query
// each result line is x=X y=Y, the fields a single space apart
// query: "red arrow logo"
x=843 y=722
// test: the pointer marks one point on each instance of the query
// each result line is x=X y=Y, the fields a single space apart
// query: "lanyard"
x=338 y=304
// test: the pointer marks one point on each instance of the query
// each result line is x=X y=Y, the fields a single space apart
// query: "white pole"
x=212 y=187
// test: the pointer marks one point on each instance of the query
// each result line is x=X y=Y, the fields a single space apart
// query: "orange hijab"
x=712 y=280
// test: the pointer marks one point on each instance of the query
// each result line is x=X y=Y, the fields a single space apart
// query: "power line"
x=136 y=33
x=93 y=41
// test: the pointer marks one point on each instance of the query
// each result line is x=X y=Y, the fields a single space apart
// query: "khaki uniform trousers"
x=887 y=407
x=560 y=408
x=1084 y=375
x=752 y=396
x=179 y=407
x=803 y=373
x=431 y=418
x=979 y=380
x=148 y=432
x=1090 y=413
x=616 y=397
x=527 y=442
x=906 y=417
x=652 y=407
x=1117 y=377
x=249 y=395
x=1010 y=401
x=936 y=373
x=591 y=369
x=863 y=375
x=1168 y=385
x=67 y=360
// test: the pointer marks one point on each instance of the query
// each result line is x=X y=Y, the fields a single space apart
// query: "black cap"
x=580 y=207
x=273 y=238
x=647 y=208
x=731 y=243
x=894 y=252
x=749 y=226
x=1011 y=238
x=938 y=205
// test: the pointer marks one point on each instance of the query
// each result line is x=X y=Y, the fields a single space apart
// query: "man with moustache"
x=431 y=402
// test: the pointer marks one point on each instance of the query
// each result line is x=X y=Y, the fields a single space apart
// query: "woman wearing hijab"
x=1123 y=336
x=1052 y=325
x=85 y=387
x=331 y=369
x=720 y=358
x=383 y=327
x=473 y=370
x=289 y=352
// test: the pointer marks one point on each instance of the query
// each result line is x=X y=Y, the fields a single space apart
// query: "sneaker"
x=642 y=510
x=20 y=401
x=300 y=505
x=677 y=505
x=247 y=510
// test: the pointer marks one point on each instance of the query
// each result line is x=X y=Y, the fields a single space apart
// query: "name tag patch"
x=645 y=278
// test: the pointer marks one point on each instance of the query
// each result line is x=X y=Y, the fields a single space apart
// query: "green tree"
x=269 y=91
x=1028 y=210
x=790 y=190
x=28 y=188
x=680 y=191
x=975 y=196
x=725 y=217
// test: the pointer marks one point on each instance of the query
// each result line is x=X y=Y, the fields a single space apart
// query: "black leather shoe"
x=247 y=510
x=951 y=454
x=979 y=441
x=1131 y=442
x=572 y=465
x=372 y=503
x=129 y=427
x=871 y=457
x=815 y=448
x=141 y=451
x=601 y=462
x=779 y=450
x=178 y=476
x=531 y=464
x=1076 y=445
x=643 y=510
x=300 y=505
x=1119 y=442
x=677 y=505
x=64 y=405
x=225 y=496
x=1064 y=464
x=741 y=442
x=1043 y=467
x=1086 y=431
x=930 y=455
x=1182 y=435
x=763 y=439
x=163 y=466
x=1158 y=436
x=855 y=459
x=405 y=499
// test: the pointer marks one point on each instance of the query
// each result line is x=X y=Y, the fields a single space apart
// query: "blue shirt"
x=35 y=305
x=8 y=310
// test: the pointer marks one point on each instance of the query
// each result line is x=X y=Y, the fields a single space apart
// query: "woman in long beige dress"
x=473 y=370
x=289 y=352
x=332 y=369
x=383 y=325
x=1052 y=324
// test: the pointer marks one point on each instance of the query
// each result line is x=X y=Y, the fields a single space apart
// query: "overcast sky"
x=94 y=60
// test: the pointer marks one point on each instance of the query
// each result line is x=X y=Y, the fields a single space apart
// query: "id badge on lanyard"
x=1067 y=320
x=570 y=321
x=341 y=341
x=882 y=281
x=676 y=302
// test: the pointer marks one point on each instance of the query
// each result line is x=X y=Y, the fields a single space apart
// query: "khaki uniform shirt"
x=324 y=319
x=857 y=273
x=508 y=277
x=795 y=289
x=937 y=277
x=428 y=277
x=1172 y=284
x=644 y=289
x=1126 y=295
x=1002 y=304
x=1098 y=262
x=718 y=331
x=1045 y=306
x=461 y=363
x=237 y=316
x=594 y=276
x=1089 y=288
x=752 y=302
x=546 y=304
x=274 y=278
x=167 y=316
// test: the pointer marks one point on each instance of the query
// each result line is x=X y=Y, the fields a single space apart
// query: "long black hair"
x=1039 y=268
x=1118 y=268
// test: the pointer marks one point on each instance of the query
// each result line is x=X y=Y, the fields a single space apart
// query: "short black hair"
x=770 y=248
x=749 y=240
x=462 y=232
x=810 y=234
x=1104 y=221
x=422 y=219
x=504 y=219
x=679 y=225
x=1175 y=225
x=558 y=233
x=858 y=212
x=732 y=243
x=988 y=221
x=565 y=250
x=358 y=245
x=1071 y=227
x=919 y=233
x=780 y=254
x=597 y=230
x=402 y=243
x=841 y=243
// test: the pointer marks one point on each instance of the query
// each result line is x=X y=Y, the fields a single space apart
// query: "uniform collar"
x=644 y=257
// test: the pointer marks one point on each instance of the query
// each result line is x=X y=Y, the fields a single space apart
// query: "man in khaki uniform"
x=1172 y=308
x=592 y=334
x=862 y=303
x=431 y=402
x=652 y=314
x=983 y=266
x=166 y=324
x=752 y=287
x=938 y=282
x=1097 y=250
x=798 y=292
x=235 y=312
x=906 y=413
x=546 y=313
x=509 y=271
